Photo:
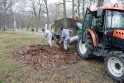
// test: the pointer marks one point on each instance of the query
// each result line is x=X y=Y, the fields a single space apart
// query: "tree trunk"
x=78 y=8
x=73 y=8
x=47 y=13
x=100 y=3
x=37 y=25
x=83 y=9
x=5 y=13
x=48 y=20
x=64 y=13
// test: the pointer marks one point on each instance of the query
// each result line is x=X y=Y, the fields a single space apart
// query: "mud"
x=41 y=57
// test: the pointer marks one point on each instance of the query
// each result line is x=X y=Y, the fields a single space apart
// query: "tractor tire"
x=114 y=66
x=85 y=50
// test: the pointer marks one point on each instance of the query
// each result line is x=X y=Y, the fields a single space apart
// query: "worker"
x=66 y=37
x=53 y=32
x=48 y=35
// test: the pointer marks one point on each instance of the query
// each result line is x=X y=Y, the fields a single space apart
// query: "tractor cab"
x=107 y=24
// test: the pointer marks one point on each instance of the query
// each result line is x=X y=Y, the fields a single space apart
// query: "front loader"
x=103 y=35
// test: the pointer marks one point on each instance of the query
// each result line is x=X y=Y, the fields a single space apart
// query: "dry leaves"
x=41 y=57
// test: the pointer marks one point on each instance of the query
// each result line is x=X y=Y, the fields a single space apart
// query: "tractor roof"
x=108 y=6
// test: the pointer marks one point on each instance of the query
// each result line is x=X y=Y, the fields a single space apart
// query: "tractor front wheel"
x=114 y=65
x=85 y=49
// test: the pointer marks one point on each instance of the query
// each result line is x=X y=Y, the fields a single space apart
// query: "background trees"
x=28 y=14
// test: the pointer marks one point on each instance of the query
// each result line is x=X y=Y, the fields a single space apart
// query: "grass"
x=11 y=72
x=10 y=41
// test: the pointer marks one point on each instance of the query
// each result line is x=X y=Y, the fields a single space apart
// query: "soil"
x=41 y=57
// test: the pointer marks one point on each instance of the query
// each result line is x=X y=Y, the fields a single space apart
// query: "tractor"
x=103 y=35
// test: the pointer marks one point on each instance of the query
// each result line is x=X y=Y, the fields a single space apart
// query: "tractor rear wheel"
x=114 y=65
x=85 y=49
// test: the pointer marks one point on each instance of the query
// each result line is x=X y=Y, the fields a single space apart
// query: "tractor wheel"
x=114 y=65
x=85 y=49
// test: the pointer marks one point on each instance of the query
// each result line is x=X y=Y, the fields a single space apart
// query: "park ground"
x=11 y=70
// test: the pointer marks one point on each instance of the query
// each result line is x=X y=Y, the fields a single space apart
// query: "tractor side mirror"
x=99 y=12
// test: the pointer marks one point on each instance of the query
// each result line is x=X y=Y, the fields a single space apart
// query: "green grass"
x=9 y=42
x=1 y=81
x=11 y=72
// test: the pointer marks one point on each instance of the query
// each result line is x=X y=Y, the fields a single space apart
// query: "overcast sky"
x=52 y=1
x=113 y=1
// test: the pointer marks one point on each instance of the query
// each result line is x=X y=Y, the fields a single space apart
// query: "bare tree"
x=78 y=7
x=100 y=3
x=83 y=9
x=7 y=5
x=47 y=12
x=38 y=8
x=64 y=13
x=73 y=5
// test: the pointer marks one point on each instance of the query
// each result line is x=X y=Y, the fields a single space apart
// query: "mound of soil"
x=40 y=57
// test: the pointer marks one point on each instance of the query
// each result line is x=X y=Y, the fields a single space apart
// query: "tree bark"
x=100 y=3
x=47 y=13
x=78 y=8
x=83 y=9
x=5 y=13
x=73 y=13
x=64 y=13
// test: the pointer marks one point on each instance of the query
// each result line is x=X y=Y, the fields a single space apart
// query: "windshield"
x=115 y=19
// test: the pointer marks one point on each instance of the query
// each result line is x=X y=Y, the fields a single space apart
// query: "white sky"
x=54 y=1
x=114 y=1
x=69 y=4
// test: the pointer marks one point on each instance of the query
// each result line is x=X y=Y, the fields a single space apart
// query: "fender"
x=93 y=37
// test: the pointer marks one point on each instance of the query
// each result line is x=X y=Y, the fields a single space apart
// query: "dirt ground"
x=63 y=66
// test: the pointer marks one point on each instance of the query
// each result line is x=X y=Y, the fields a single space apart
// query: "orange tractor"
x=103 y=35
